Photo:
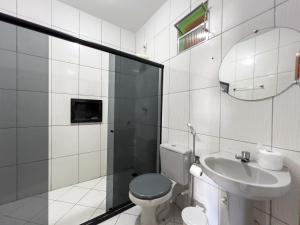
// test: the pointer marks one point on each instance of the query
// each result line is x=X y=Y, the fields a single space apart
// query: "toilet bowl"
x=194 y=216
x=152 y=190
x=149 y=191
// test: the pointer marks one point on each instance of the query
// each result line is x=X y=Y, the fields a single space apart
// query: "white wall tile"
x=253 y=118
x=162 y=48
x=233 y=36
x=103 y=163
x=161 y=18
x=177 y=137
x=90 y=57
x=179 y=73
x=140 y=41
x=65 y=51
x=33 y=144
x=90 y=27
x=166 y=77
x=8 y=6
x=64 y=171
x=286 y=122
x=235 y=147
x=90 y=81
x=179 y=110
x=32 y=109
x=29 y=184
x=64 y=141
x=178 y=7
x=35 y=10
x=89 y=166
x=8 y=188
x=127 y=41
x=287 y=14
x=164 y=135
x=103 y=137
x=65 y=17
x=205 y=110
x=234 y=12
x=89 y=138
x=61 y=109
x=8 y=101
x=165 y=111
x=205 y=62
x=8 y=150
x=204 y=144
x=173 y=41
x=111 y=34
x=64 y=77
x=104 y=83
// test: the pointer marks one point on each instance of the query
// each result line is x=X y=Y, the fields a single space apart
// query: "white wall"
x=192 y=93
x=76 y=152
x=60 y=16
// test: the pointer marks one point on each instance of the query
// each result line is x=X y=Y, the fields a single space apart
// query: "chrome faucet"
x=244 y=157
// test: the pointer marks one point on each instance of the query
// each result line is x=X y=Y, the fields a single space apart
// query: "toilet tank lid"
x=176 y=148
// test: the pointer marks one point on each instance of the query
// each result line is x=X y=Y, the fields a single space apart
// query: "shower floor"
x=66 y=206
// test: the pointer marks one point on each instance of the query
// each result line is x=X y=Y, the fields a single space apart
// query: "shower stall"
x=78 y=121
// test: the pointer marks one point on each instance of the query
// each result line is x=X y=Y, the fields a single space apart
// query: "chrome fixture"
x=244 y=157
x=192 y=129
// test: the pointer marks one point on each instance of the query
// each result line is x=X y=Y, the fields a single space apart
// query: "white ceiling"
x=129 y=14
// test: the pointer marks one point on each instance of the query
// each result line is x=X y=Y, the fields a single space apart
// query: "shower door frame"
x=58 y=34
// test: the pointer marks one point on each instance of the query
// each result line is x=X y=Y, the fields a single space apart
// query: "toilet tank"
x=175 y=163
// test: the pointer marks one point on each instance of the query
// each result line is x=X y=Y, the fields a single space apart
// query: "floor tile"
x=93 y=198
x=136 y=210
x=55 y=212
x=32 y=207
x=10 y=221
x=101 y=186
x=111 y=221
x=77 y=215
x=73 y=195
x=56 y=194
x=89 y=184
x=126 y=219
x=97 y=212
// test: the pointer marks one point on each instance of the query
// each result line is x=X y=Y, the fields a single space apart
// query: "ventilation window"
x=193 y=28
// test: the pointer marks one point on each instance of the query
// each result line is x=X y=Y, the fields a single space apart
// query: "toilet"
x=152 y=190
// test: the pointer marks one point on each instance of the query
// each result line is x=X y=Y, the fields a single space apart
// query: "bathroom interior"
x=137 y=112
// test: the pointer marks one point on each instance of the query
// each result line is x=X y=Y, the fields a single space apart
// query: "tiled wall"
x=192 y=93
x=76 y=152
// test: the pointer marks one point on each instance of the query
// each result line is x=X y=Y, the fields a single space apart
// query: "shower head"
x=191 y=128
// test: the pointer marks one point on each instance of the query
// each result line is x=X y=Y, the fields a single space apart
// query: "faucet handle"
x=244 y=157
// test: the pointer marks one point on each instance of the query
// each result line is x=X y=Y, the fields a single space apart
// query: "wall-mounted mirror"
x=261 y=65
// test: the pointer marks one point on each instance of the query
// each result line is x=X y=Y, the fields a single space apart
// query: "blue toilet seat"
x=150 y=186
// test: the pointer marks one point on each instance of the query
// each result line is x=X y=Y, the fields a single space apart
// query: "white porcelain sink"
x=246 y=180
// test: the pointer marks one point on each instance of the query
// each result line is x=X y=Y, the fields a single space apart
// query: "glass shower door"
x=134 y=115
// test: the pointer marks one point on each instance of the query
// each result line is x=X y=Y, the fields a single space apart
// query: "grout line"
x=16 y=92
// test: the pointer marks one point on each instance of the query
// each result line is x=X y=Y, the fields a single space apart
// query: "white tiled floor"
x=71 y=205
x=131 y=217
x=66 y=206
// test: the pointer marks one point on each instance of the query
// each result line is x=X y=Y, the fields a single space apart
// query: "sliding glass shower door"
x=134 y=111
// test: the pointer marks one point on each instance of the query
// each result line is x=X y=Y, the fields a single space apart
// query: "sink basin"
x=246 y=180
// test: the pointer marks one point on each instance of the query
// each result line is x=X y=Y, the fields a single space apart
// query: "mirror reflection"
x=261 y=65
